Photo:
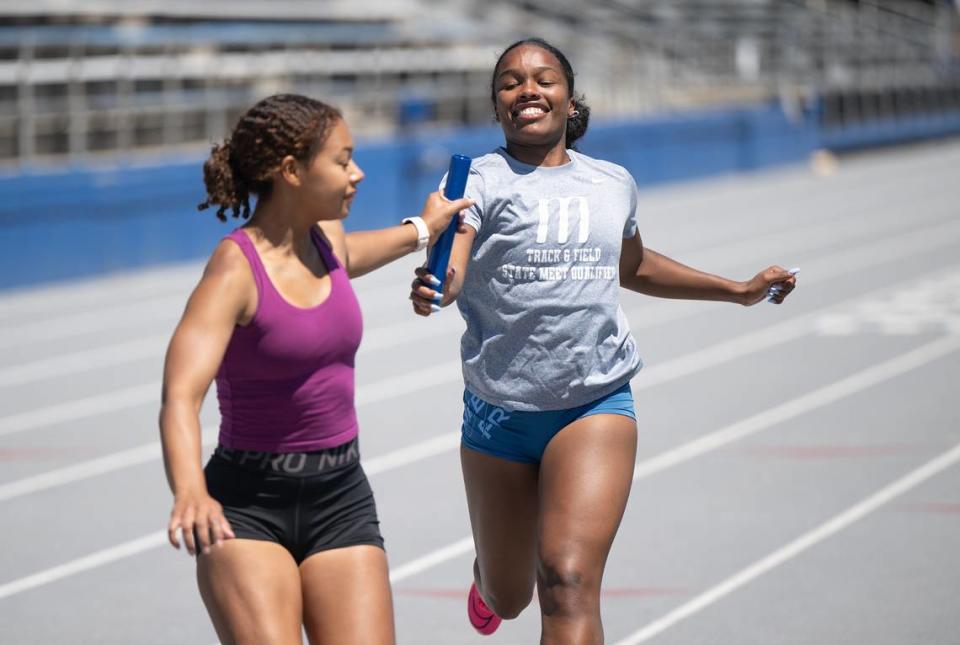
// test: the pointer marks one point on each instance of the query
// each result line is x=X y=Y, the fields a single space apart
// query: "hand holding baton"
x=440 y=253
x=775 y=290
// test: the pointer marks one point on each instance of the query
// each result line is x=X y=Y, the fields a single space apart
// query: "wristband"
x=423 y=233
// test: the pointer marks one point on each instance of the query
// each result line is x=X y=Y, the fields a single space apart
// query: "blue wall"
x=890 y=131
x=82 y=221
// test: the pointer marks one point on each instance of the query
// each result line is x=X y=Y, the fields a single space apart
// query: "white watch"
x=423 y=233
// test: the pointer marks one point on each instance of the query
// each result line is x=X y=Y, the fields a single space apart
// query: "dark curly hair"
x=278 y=126
x=576 y=125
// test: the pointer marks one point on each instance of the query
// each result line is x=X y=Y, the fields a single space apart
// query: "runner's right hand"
x=198 y=516
x=425 y=300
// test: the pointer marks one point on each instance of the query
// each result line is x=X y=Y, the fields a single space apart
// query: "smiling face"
x=531 y=97
x=330 y=181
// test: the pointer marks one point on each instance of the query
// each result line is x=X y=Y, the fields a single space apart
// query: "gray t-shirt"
x=545 y=330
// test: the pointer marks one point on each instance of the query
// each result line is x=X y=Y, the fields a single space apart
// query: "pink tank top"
x=286 y=382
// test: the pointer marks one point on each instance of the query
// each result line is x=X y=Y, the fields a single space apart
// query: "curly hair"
x=577 y=124
x=278 y=126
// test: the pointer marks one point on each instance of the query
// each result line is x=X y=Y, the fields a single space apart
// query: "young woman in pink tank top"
x=282 y=518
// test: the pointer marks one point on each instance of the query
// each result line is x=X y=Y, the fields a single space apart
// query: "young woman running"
x=282 y=518
x=549 y=428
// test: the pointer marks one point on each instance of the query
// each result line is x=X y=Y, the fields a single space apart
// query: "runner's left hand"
x=756 y=289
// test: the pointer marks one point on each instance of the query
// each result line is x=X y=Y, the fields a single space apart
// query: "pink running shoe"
x=482 y=619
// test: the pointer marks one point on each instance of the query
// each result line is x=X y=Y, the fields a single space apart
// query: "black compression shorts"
x=306 y=502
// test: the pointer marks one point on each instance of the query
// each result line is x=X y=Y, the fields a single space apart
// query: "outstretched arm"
x=645 y=271
x=364 y=251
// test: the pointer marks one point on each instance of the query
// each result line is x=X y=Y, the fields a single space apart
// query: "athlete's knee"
x=566 y=587
x=508 y=601
x=505 y=595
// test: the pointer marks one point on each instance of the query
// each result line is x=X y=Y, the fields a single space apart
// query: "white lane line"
x=92 y=468
x=84 y=361
x=856 y=253
x=403 y=333
x=410 y=382
x=819 y=398
x=724 y=351
x=796 y=547
x=845 y=387
x=92 y=561
x=398 y=333
x=150 y=312
x=90 y=406
x=96 y=291
x=432 y=559
x=411 y=454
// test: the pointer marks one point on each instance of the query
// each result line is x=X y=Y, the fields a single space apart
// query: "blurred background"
x=107 y=108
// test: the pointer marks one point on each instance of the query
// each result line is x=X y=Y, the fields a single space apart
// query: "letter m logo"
x=562 y=206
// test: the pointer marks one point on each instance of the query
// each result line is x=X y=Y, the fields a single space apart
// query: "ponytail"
x=222 y=186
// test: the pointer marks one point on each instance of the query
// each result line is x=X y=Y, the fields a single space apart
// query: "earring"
x=574 y=113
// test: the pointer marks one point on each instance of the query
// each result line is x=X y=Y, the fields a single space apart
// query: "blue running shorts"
x=523 y=436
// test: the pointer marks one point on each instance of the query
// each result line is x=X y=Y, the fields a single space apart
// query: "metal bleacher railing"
x=109 y=78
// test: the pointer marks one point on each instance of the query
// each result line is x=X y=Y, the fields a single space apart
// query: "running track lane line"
x=818 y=398
x=432 y=559
x=859 y=381
x=796 y=547
x=92 y=467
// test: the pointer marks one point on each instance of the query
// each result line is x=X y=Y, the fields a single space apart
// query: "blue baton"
x=440 y=253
